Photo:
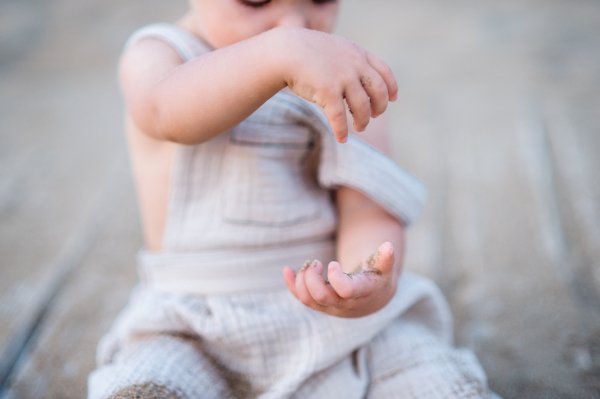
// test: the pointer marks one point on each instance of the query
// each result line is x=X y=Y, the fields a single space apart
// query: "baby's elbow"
x=159 y=120
x=155 y=122
x=147 y=118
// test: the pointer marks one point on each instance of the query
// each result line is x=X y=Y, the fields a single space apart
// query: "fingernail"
x=304 y=266
x=345 y=140
x=391 y=249
x=313 y=264
x=394 y=97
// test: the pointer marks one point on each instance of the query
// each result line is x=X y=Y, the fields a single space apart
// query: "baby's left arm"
x=365 y=278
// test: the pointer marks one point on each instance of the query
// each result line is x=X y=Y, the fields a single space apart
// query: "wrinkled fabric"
x=211 y=317
x=269 y=345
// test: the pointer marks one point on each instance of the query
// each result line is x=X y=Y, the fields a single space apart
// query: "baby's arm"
x=196 y=101
x=366 y=276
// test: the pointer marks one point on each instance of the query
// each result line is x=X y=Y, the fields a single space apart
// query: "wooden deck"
x=499 y=114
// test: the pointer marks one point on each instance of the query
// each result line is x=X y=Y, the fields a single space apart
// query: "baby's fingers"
x=348 y=286
x=319 y=290
x=377 y=90
x=386 y=74
x=359 y=104
x=289 y=276
x=384 y=260
x=301 y=290
x=335 y=110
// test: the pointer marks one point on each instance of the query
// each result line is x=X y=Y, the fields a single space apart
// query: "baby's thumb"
x=385 y=258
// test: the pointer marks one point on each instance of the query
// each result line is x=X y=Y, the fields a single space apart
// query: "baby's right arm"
x=193 y=102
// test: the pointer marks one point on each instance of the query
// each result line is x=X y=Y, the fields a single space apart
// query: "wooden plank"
x=61 y=124
x=46 y=212
x=577 y=205
x=63 y=352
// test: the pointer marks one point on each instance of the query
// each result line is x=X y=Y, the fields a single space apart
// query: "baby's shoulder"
x=158 y=47
x=185 y=44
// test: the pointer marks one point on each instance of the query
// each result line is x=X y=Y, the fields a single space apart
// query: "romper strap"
x=183 y=42
x=358 y=165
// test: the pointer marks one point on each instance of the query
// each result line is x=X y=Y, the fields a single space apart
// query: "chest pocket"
x=265 y=183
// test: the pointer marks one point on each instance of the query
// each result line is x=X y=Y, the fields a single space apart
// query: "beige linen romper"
x=212 y=318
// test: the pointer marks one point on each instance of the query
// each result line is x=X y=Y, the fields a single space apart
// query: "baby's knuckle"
x=387 y=71
x=347 y=292
x=358 y=53
x=305 y=300
x=321 y=296
x=380 y=87
x=307 y=303
x=330 y=88
x=338 y=303
x=360 y=102
x=338 y=116
x=377 y=60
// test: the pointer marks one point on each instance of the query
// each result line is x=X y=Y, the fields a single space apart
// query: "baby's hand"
x=327 y=69
x=364 y=291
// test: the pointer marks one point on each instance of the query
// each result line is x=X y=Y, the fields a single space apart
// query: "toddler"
x=238 y=135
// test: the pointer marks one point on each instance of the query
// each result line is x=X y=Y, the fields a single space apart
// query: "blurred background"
x=499 y=114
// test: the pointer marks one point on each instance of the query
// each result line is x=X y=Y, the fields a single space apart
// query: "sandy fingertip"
x=305 y=266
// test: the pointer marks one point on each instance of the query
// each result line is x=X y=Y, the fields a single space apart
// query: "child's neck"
x=191 y=24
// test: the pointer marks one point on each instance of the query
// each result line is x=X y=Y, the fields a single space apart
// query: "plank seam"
x=63 y=266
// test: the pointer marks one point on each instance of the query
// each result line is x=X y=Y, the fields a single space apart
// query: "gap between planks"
x=63 y=266
x=568 y=221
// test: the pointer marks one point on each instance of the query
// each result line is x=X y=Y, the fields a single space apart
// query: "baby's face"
x=224 y=22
